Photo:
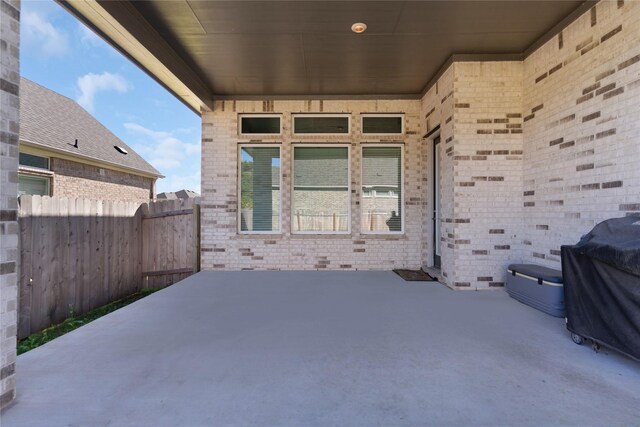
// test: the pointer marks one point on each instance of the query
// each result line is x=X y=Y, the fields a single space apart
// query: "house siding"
x=223 y=248
x=9 y=131
x=74 y=179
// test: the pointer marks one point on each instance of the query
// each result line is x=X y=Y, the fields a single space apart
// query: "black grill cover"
x=602 y=285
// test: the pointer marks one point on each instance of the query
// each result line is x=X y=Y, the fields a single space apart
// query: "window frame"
x=401 y=115
x=239 y=186
x=293 y=183
x=318 y=115
x=402 y=230
x=264 y=116
x=35 y=168
x=36 y=176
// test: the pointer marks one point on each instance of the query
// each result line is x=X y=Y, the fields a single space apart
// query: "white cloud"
x=88 y=37
x=91 y=83
x=41 y=35
x=163 y=150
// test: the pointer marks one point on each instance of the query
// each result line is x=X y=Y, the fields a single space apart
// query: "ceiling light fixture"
x=359 y=27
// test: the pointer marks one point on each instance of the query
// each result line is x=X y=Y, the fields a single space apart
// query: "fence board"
x=24 y=296
x=79 y=254
x=84 y=223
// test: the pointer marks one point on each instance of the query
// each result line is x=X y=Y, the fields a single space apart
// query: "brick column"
x=9 y=127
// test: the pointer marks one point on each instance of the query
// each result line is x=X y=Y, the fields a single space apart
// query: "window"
x=382 y=190
x=31 y=161
x=260 y=124
x=33 y=185
x=383 y=123
x=321 y=201
x=259 y=189
x=324 y=124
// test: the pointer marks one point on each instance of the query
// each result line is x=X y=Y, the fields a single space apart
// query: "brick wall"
x=534 y=154
x=9 y=130
x=582 y=129
x=478 y=107
x=224 y=249
x=437 y=107
x=538 y=151
x=74 y=179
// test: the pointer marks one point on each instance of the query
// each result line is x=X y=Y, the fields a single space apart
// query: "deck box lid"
x=537 y=271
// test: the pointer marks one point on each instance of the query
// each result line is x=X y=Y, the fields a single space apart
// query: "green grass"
x=73 y=322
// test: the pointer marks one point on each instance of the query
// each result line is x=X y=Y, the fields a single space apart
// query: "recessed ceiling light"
x=359 y=27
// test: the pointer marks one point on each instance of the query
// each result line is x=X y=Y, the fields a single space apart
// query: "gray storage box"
x=537 y=286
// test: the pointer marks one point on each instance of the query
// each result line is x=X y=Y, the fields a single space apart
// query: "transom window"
x=382 y=123
x=382 y=189
x=33 y=161
x=321 y=190
x=322 y=124
x=260 y=124
x=260 y=194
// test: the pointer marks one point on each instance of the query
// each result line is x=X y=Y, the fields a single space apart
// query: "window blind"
x=321 y=190
x=33 y=185
x=382 y=189
x=260 y=189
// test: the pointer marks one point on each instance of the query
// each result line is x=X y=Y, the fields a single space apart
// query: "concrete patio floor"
x=322 y=349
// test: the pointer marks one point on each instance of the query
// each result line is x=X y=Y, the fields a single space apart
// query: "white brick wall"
x=573 y=165
x=582 y=144
x=488 y=171
x=437 y=110
x=224 y=248
x=481 y=169
x=9 y=130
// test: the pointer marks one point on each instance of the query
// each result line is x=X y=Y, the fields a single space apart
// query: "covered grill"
x=602 y=285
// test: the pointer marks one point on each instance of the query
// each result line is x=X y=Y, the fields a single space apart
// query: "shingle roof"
x=180 y=194
x=55 y=121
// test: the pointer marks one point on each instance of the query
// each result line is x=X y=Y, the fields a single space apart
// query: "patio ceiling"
x=255 y=49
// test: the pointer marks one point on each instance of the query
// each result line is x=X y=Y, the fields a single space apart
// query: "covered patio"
x=322 y=348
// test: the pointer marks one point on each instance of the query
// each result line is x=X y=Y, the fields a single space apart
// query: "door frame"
x=430 y=137
x=435 y=206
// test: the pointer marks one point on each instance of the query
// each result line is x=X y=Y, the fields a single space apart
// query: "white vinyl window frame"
x=262 y=116
x=363 y=115
x=239 y=166
x=316 y=116
x=293 y=182
x=402 y=189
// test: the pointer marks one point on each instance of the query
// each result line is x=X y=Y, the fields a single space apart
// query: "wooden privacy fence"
x=171 y=243
x=79 y=254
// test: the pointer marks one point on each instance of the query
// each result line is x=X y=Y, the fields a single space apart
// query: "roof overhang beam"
x=121 y=25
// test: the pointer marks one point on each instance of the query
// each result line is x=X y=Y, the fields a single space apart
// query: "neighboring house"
x=181 y=194
x=466 y=135
x=66 y=152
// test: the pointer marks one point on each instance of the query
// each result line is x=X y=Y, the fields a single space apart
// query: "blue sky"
x=60 y=53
